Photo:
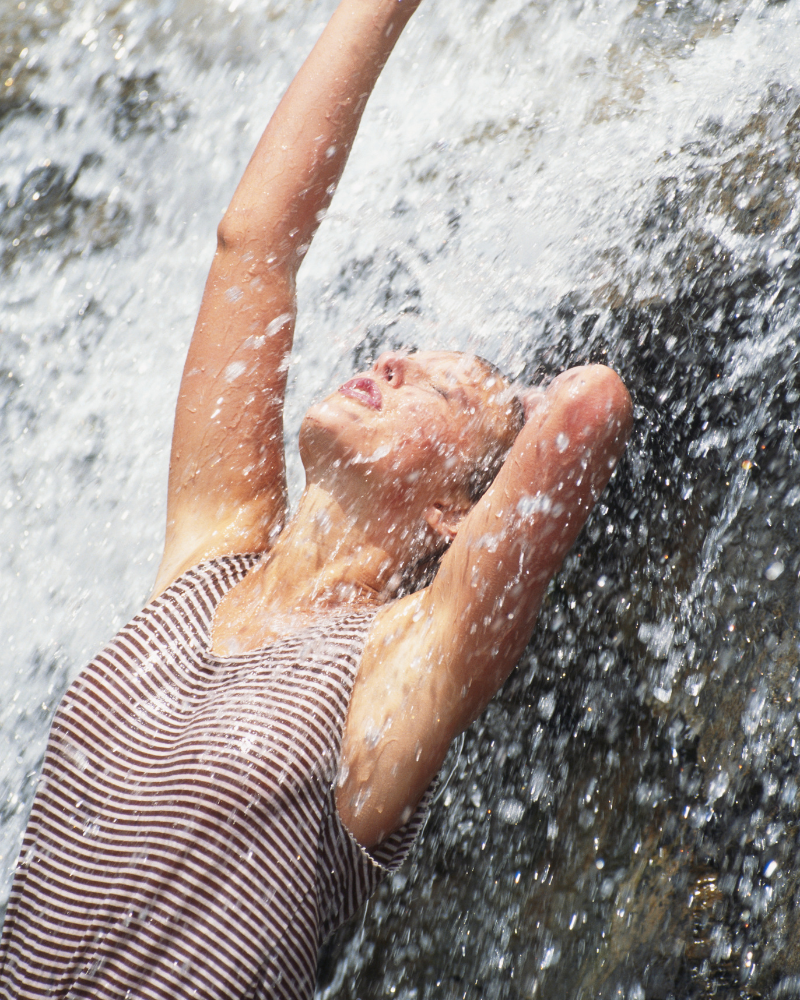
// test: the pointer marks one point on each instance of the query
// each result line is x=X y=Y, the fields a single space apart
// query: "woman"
x=235 y=772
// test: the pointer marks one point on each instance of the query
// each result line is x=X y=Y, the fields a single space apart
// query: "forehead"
x=468 y=377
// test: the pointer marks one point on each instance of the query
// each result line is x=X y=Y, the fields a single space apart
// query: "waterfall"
x=544 y=183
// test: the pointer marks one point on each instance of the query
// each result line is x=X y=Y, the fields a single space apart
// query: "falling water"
x=546 y=183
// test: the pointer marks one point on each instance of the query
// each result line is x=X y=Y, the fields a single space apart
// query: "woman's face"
x=416 y=425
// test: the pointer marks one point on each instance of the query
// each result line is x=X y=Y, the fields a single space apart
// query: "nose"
x=391 y=367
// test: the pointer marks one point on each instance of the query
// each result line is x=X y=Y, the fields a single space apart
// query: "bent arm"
x=227 y=479
x=493 y=579
x=435 y=659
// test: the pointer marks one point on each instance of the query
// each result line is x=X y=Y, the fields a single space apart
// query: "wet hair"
x=482 y=476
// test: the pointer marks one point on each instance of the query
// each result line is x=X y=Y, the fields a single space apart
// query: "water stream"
x=546 y=183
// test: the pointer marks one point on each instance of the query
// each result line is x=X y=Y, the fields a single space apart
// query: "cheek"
x=428 y=456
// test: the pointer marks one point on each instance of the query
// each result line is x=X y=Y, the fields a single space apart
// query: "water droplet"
x=562 y=441
x=511 y=811
x=551 y=955
x=538 y=781
x=718 y=786
x=755 y=711
x=278 y=323
x=234 y=370
x=547 y=705
x=774 y=570
x=694 y=684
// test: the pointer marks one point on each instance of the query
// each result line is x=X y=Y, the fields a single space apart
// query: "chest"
x=152 y=727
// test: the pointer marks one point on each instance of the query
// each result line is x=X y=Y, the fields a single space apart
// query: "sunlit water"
x=545 y=183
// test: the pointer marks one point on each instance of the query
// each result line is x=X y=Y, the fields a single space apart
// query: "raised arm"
x=435 y=658
x=227 y=489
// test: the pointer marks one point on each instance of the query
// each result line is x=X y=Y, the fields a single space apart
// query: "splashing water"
x=545 y=183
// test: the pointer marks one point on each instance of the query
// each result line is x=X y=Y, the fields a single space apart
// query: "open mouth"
x=363 y=390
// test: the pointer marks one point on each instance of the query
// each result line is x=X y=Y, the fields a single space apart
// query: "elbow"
x=593 y=398
x=241 y=240
x=233 y=233
x=242 y=230
x=587 y=423
x=612 y=399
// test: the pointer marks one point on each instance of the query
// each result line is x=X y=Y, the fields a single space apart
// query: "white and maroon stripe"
x=184 y=840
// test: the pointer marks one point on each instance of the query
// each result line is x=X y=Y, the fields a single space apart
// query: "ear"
x=445 y=520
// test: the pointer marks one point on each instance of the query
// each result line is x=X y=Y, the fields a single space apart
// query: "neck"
x=328 y=556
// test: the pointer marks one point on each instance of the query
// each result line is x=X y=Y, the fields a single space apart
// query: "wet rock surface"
x=46 y=212
x=623 y=822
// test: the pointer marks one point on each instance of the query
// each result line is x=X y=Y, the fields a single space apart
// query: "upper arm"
x=226 y=488
x=227 y=480
x=397 y=733
x=436 y=658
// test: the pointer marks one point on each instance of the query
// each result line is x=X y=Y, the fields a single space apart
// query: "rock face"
x=623 y=822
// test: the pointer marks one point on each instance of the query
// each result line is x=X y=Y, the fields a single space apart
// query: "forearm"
x=299 y=160
x=492 y=581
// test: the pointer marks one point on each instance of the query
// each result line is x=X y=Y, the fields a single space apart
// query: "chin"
x=328 y=432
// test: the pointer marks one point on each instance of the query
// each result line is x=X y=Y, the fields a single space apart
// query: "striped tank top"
x=184 y=839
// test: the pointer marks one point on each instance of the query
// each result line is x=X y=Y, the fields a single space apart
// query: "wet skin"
x=413 y=427
x=385 y=486
x=435 y=658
